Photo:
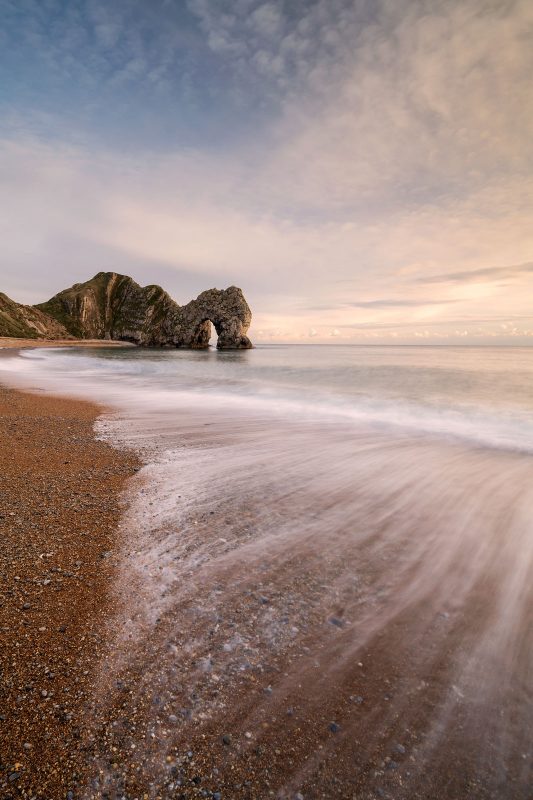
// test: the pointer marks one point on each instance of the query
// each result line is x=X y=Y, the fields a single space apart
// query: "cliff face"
x=111 y=306
x=27 y=322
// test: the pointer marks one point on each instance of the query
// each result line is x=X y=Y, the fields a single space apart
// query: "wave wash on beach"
x=324 y=572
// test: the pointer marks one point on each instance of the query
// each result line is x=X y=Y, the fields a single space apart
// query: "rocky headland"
x=27 y=322
x=114 y=307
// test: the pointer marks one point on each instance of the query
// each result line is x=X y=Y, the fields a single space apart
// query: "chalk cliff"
x=112 y=306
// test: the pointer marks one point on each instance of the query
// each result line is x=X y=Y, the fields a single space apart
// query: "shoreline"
x=9 y=343
x=61 y=501
x=329 y=667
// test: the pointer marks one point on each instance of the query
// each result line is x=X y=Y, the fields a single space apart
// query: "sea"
x=340 y=539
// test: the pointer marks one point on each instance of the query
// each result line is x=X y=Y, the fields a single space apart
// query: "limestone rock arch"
x=227 y=310
x=112 y=306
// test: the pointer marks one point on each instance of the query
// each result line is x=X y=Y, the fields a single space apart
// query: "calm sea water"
x=389 y=489
x=484 y=395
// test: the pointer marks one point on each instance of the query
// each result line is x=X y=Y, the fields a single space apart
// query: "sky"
x=362 y=169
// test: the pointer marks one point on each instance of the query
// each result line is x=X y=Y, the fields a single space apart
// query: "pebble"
x=51 y=751
x=334 y=728
x=226 y=739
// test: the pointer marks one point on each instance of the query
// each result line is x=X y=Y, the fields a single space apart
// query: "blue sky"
x=362 y=168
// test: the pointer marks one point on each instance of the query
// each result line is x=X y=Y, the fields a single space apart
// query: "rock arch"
x=111 y=306
x=229 y=313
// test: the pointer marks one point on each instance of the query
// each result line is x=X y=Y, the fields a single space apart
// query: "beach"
x=289 y=599
x=266 y=453
x=60 y=504
x=17 y=344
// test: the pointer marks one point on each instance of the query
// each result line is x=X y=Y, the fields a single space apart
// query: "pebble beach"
x=60 y=502
x=202 y=604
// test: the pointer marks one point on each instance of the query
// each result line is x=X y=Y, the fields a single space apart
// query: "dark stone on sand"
x=334 y=728
x=226 y=739
x=336 y=621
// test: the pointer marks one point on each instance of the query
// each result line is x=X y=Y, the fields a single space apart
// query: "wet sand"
x=270 y=648
x=60 y=503
x=260 y=643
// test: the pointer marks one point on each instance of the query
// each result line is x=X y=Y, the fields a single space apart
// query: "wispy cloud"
x=490 y=274
x=335 y=157
x=378 y=304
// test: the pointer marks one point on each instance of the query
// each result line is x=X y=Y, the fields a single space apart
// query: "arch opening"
x=230 y=332
x=206 y=334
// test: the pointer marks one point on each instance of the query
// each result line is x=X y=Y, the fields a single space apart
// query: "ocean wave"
x=163 y=383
